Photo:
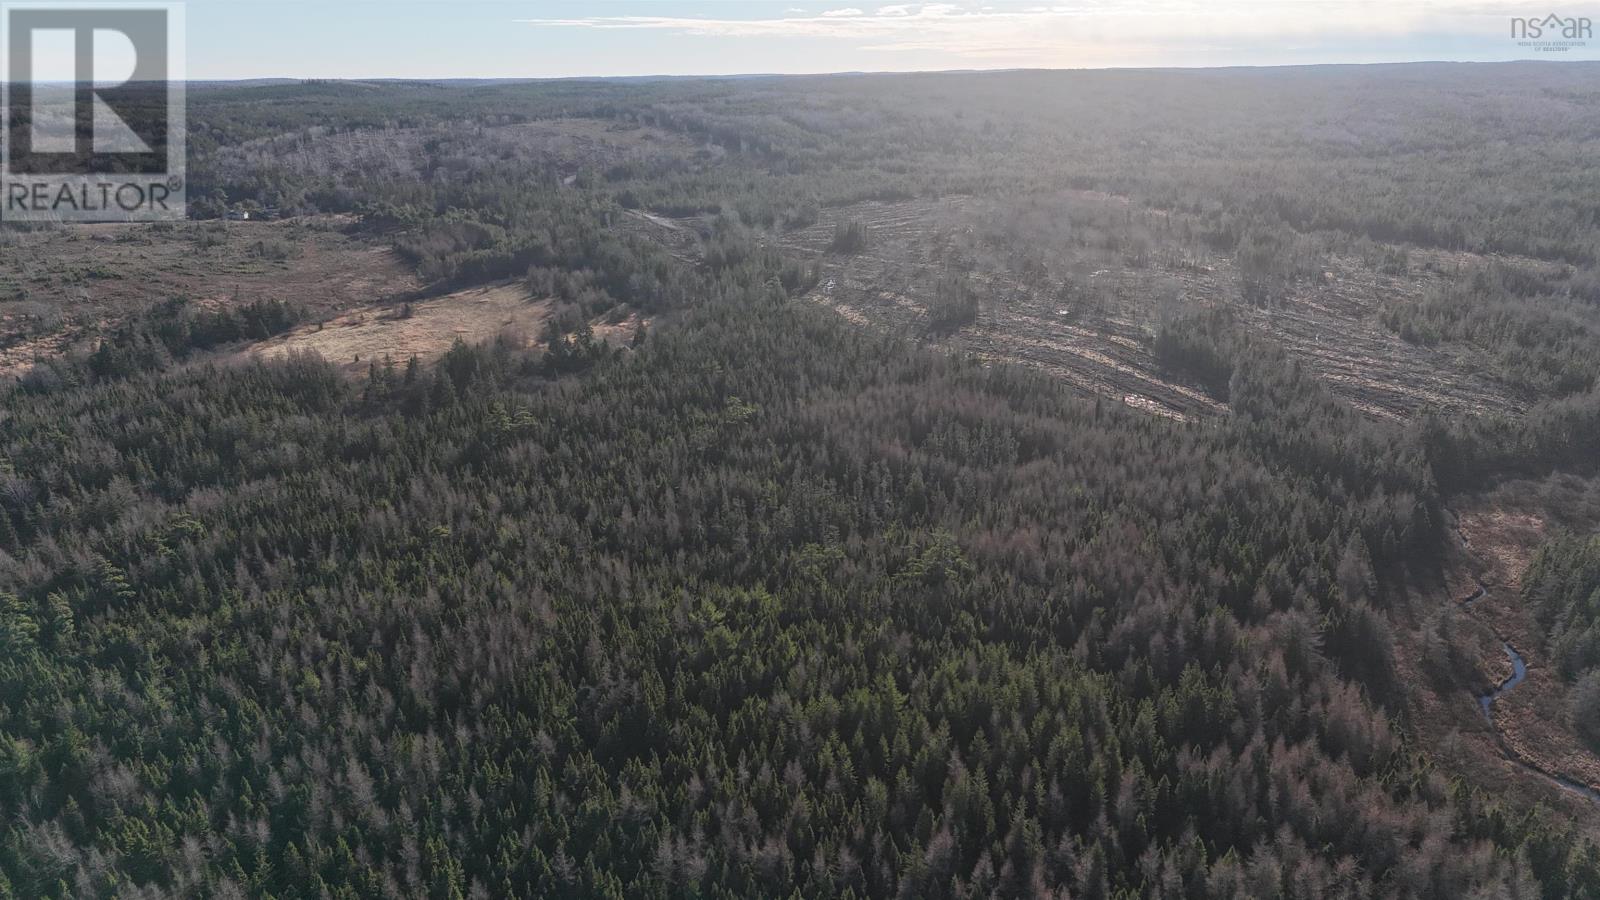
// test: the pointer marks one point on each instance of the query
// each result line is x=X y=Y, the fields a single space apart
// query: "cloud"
x=1078 y=32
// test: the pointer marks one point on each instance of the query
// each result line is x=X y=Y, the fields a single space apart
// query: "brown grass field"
x=367 y=334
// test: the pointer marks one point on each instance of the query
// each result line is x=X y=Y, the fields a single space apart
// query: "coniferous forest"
x=754 y=601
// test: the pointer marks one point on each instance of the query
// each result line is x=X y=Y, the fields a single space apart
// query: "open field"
x=425 y=329
x=63 y=288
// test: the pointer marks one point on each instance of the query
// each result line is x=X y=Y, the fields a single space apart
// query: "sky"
x=563 y=38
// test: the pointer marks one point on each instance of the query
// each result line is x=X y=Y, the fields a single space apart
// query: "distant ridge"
x=208 y=83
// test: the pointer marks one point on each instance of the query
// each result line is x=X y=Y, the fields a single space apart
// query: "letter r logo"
x=88 y=90
x=92 y=111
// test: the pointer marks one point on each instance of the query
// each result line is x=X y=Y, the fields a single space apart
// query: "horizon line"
x=356 y=79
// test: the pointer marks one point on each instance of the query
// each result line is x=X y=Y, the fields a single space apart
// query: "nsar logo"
x=1552 y=33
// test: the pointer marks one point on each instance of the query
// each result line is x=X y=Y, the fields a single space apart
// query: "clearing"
x=1062 y=287
x=62 y=288
x=427 y=328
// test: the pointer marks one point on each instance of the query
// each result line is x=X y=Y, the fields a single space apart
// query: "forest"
x=753 y=601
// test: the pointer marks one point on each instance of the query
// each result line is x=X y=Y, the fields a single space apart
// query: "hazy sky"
x=541 y=38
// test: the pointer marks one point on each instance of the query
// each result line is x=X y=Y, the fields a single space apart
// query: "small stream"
x=1519 y=666
x=1519 y=674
